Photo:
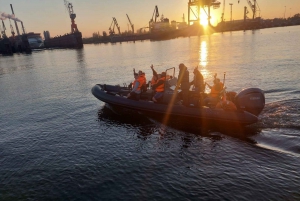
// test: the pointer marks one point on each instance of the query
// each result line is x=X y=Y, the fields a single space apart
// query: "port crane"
x=254 y=7
x=155 y=13
x=69 y=6
x=222 y=17
x=3 y=30
x=132 y=26
x=141 y=29
x=197 y=5
x=12 y=29
x=115 y=23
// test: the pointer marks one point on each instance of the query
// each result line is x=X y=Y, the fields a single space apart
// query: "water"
x=58 y=142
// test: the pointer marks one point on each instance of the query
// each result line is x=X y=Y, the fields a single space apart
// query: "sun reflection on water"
x=203 y=53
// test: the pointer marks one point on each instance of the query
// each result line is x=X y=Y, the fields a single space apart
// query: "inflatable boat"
x=249 y=103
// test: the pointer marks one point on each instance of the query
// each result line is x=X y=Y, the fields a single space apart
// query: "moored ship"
x=5 y=46
x=35 y=40
x=73 y=40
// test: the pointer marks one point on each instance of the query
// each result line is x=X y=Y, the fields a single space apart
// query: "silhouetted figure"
x=198 y=81
x=184 y=84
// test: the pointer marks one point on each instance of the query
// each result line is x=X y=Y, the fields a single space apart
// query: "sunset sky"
x=96 y=15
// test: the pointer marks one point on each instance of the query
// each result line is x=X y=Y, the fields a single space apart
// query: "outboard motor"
x=251 y=100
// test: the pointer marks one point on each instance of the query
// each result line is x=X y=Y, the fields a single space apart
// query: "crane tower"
x=3 y=30
x=132 y=26
x=254 y=7
x=194 y=8
x=69 y=6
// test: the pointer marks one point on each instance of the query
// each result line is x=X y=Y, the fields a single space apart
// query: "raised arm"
x=133 y=71
x=153 y=71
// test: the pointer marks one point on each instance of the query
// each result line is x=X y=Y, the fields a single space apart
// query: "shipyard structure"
x=14 y=43
x=68 y=40
x=160 y=27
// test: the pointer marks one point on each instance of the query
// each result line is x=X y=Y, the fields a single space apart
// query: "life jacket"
x=153 y=81
x=215 y=91
x=143 y=82
x=161 y=88
x=140 y=80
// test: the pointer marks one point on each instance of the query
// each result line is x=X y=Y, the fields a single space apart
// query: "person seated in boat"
x=136 y=88
x=198 y=81
x=184 y=84
x=226 y=104
x=159 y=88
x=215 y=90
x=155 y=76
x=134 y=77
x=144 y=81
x=142 y=75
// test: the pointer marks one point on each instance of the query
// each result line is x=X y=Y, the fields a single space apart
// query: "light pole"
x=231 y=11
x=284 y=11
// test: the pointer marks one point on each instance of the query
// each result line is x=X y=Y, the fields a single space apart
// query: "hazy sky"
x=96 y=15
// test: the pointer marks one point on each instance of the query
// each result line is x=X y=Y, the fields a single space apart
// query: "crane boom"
x=69 y=6
x=3 y=30
x=155 y=13
x=12 y=29
x=116 y=24
x=254 y=7
x=132 y=26
x=222 y=17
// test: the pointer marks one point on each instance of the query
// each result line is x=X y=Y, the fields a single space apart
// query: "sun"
x=203 y=19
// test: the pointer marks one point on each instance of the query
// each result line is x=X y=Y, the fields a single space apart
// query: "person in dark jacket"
x=184 y=84
x=198 y=81
x=155 y=76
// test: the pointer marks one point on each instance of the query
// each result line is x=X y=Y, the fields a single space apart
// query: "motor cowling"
x=251 y=100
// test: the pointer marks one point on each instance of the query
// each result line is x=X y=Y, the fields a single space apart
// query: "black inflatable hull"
x=200 y=114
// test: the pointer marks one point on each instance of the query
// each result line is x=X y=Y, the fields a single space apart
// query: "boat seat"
x=169 y=95
x=112 y=88
x=196 y=98
x=172 y=82
x=147 y=95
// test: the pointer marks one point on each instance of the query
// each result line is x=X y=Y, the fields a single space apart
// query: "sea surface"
x=58 y=142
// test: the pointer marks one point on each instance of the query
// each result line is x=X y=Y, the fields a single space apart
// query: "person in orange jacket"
x=155 y=76
x=143 y=79
x=159 y=88
x=215 y=90
x=136 y=87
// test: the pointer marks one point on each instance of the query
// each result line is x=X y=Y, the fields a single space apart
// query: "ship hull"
x=73 y=40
